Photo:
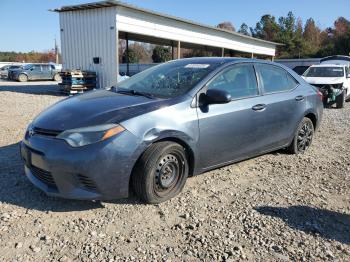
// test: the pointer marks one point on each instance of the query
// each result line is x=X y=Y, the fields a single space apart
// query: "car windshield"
x=168 y=80
x=324 y=72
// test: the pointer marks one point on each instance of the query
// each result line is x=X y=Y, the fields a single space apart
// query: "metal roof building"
x=90 y=33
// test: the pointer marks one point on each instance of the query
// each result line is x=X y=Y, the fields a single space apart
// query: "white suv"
x=332 y=78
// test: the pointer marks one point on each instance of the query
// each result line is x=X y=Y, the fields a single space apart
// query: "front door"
x=46 y=72
x=35 y=72
x=232 y=131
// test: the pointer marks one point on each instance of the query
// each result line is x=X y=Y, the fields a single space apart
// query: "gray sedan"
x=172 y=121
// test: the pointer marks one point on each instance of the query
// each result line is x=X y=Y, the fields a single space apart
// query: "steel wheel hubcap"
x=167 y=172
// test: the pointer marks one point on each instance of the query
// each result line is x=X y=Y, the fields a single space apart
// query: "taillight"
x=320 y=95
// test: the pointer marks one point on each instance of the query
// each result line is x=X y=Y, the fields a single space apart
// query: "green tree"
x=132 y=56
x=244 y=29
x=312 y=38
x=286 y=36
x=161 y=54
x=267 y=28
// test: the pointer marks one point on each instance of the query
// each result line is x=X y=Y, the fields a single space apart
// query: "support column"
x=178 y=49
x=252 y=55
x=172 y=50
x=273 y=58
x=127 y=55
x=115 y=78
x=222 y=52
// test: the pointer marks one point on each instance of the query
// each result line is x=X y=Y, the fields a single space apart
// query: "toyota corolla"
x=178 y=119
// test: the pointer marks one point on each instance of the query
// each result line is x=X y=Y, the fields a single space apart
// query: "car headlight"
x=89 y=135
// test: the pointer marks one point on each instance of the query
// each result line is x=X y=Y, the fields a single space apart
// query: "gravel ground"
x=276 y=207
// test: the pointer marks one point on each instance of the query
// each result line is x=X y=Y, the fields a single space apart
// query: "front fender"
x=189 y=143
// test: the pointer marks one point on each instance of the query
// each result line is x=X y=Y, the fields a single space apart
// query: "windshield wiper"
x=135 y=93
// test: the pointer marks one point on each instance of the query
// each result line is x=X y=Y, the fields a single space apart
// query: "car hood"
x=324 y=80
x=94 y=108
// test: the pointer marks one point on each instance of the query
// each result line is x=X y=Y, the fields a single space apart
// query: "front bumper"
x=99 y=171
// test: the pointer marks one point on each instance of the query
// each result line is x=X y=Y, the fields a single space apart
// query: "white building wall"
x=90 y=33
x=142 y=23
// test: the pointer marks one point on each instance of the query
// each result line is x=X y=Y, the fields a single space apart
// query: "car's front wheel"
x=303 y=137
x=161 y=172
x=22 y=78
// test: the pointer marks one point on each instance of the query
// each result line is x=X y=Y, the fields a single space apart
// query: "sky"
x=27 y=25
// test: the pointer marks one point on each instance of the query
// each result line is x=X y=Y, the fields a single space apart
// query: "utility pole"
x=56 y=52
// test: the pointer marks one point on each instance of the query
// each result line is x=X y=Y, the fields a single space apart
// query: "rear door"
x=46 y=72
x=232 y=131
x=35 y=72
x=285 y=104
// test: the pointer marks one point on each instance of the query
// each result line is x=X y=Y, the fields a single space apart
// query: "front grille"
x=86 y=183
x=43 y=175
x=46 y=132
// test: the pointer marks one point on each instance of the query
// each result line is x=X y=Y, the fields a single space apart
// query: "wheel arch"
x=312 y=116
x=188 y=149
x=182 y=142
x=23 y=73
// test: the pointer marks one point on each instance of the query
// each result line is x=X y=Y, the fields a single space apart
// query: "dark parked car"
x=300 y=69
x=166 y=123
x=4 y=70
x=35 y=72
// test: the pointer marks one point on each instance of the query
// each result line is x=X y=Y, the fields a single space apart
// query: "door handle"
x=259 y=107
x=299 y=98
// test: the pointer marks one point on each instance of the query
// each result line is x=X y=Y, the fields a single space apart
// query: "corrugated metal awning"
x=113 y=3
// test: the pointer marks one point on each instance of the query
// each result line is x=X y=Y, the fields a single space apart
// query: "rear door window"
x=275 y=79
x=45 y=68
x=238 y=80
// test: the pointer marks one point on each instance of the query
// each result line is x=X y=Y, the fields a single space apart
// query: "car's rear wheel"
x=160 y=173
x=303 y=137
x=22 y=78
x=57 y=78
x=340 y=100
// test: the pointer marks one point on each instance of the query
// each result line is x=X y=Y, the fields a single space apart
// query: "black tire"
x=340 y=100
x=347 y=99
x=160 y=173
x=303 y=137
x=57 y=78
x=22 y=78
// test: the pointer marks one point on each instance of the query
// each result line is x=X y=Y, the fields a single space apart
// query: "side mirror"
x=217 y=96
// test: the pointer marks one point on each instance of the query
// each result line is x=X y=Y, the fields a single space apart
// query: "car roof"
x=225 y=60
x=38 y=64
x=327 y=65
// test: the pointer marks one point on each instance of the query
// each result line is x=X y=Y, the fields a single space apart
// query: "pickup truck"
x=34 y=72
